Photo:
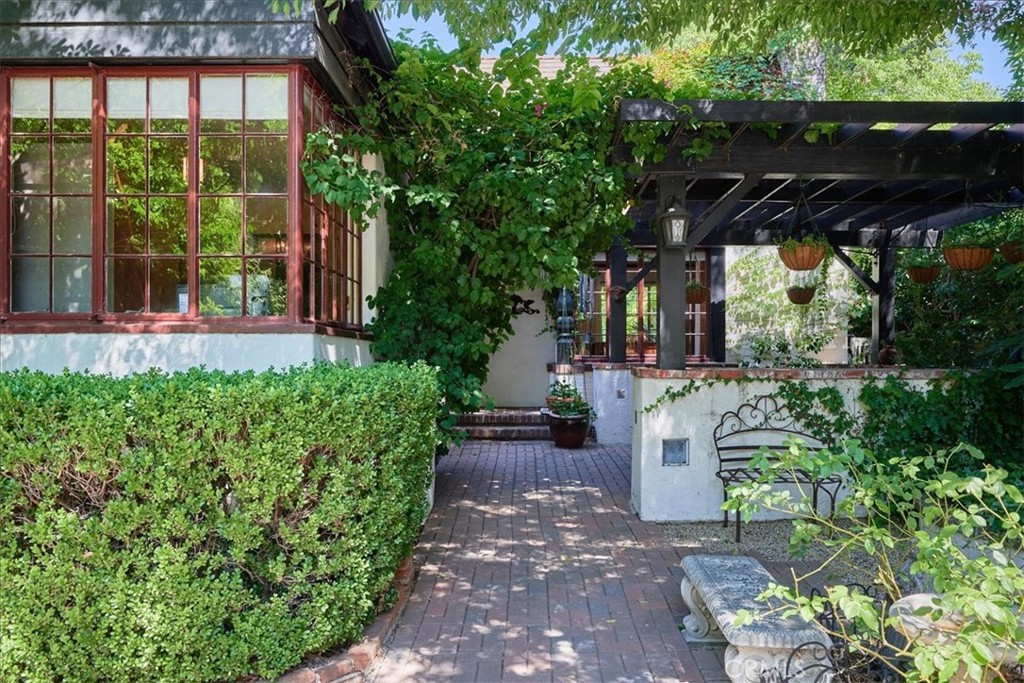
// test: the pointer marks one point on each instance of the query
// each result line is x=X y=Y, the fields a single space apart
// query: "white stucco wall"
x=613 y=402
x=376 y=247
x=691 y=492
x=124 y=353
x=517 y=373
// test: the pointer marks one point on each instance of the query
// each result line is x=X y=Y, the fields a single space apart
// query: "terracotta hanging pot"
x=696 y=296
x=923 y=274
x=968 y=258
x=1013 y=252
x=800 y=295
x=802 y=256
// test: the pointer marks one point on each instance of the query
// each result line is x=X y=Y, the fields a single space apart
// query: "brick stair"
x=505 y=424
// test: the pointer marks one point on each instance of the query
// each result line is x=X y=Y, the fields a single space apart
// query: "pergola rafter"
x=865 y=174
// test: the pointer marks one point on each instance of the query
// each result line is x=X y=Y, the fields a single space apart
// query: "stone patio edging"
x=352 y=665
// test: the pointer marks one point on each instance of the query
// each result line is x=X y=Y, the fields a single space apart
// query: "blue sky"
x=992 y=53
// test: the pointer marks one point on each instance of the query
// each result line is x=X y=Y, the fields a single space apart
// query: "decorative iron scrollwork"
x=521 y=306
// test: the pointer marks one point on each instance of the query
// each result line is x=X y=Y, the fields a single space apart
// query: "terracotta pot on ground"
x=1012 y=251
x=923 y=274
x=968 y=258
x=696 y=296
x=800 y=295
x=802 y=256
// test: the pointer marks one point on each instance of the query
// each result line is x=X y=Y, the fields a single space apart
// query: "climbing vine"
x=496 y=182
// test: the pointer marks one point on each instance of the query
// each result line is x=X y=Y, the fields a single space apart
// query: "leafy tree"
x=862 y=27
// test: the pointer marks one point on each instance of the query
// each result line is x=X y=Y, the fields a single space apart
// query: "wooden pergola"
x=863 y=174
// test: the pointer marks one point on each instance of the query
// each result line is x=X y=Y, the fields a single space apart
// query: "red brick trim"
x=352 y=665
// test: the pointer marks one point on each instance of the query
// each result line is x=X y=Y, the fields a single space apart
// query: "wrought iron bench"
x=764 y=423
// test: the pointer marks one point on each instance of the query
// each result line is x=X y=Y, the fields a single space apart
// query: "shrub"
x=203 y=526
x=962 y=535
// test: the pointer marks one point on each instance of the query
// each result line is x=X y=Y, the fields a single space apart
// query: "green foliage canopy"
x=496 y=183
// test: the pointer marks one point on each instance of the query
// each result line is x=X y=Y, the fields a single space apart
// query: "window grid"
x=263 y=254
x=332 y=242
x=642 y=313
x=146 y=231
x=49 y=200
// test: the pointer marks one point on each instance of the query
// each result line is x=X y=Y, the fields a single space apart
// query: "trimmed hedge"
x=203 y=526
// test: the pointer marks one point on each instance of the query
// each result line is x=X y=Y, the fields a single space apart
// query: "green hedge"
x=203 y=526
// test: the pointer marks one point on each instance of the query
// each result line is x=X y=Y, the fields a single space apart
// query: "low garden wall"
x=204 y=526
x=665 y=489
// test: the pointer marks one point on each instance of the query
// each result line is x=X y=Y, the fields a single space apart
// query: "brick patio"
x=533 y=568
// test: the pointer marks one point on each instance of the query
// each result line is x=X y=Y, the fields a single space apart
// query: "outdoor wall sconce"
x=675 y=224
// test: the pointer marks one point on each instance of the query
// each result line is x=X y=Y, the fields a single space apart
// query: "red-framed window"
x=167 y=193
x=593 y=311
x=332 y=243
x=50 y=180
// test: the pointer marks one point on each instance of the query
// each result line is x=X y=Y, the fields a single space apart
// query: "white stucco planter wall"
x=691 y=492
x=613 y=401
x=125 y=353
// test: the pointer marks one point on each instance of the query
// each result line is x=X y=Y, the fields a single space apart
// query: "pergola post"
x=671 y=286
x=617 y=266
x=716 y=305
x=883 y=304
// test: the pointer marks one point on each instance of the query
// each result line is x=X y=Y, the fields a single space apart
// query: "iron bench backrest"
x=765 y=422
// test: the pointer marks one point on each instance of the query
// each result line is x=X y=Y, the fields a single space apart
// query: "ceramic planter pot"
x=697 y=296
x=923 y=274
x=568 y=431
x=802 y=256
x=800 y=295
x=968 y=258
x=1013 y=252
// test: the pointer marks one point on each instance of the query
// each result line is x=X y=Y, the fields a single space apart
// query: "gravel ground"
x=771 y=540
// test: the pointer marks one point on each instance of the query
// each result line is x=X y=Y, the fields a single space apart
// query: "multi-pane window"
x=166 y=193
x=332 y=246
x=593 y=313
x=243 y=194
x=51 y=192
x=147 y=151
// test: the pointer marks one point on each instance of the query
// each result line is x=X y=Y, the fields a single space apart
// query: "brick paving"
x=533 y=568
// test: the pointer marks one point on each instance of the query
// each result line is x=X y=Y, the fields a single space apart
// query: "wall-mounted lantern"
x=675 y=224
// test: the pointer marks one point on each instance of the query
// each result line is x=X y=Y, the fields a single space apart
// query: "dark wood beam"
x=850 y=132
x=867 y=237
x=644 y=271
x=618 y=261
x=740 y=111
x=845 y=163
x=905 y=132
x=710 y=219
x=855 y=270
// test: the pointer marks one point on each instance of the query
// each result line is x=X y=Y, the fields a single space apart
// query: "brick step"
x=517 y=417
x=507 y=432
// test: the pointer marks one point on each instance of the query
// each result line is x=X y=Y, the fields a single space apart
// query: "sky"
x=992 y=53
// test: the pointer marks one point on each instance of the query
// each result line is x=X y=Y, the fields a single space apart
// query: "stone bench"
x=716 y=588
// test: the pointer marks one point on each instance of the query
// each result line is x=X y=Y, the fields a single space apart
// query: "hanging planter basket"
x=968 y=258
x=1013 y=252
x=800 y=296
x=923 y=274
x=802 y=256
x=697 y=296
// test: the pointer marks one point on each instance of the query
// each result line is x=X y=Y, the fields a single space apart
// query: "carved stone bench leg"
x=700 y=625
x=804 y=665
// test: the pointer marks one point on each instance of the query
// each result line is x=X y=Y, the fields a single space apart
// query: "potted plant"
x=803 y=254
x=696 y=292
x=923 y=265
x=569 y=415
x=1011 y=234
x=968 y=246
x=800 y=295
